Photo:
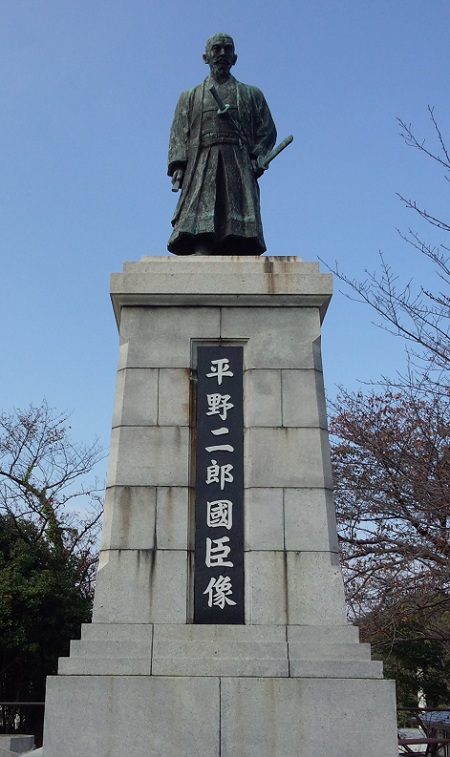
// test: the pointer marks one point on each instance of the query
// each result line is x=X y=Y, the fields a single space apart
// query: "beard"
x=220 y=70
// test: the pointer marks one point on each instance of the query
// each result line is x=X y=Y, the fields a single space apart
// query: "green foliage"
x=42 y=605
x=48 y=551
x=417 y=662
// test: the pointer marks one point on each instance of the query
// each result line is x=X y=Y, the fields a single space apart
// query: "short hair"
x=212 y=40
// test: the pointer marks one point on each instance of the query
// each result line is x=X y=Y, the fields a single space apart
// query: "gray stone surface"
x=299 y=717
x=289 y=457
x=172 y=520
x=129 y=517
x=15 y=743
x=330 y=669
x=105 y=666
x=191 y=650
x=173 y=397
x=256 y=717
x=149 y=456
x=323 y=635
x=203 y=650
x=141 y=586
x=310 y=521
x=303 y=399
x=265 y=588
x=160 y=337
x=262 y=392
x=118 y=631
x=276 y=335
x=133 y=715
x=294 y=680
x=269 y=281
x=264 y=520
x=315 y=592
x=112 y=648
x=136 y=397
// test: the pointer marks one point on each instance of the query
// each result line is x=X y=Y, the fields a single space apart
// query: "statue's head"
x=220 y=55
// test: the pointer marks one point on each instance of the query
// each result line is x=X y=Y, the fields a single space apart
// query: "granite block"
x=286 y=718
x=155 y=456
x=288 y=457
x=111 y=648
x=303 y=399
x=117 y=632
x=143 y=716
x=136 y=397
x=218 y=657
x=173 y=397
x=141 y=586
x=104 y=666
x=172 y=520
x=263 y=519
x=129 y=518
x=310 y=521
x=324 y=635
x=265 y=587
x=315 y=589
x=166 y=716
x=274 y=336
x=74 y=701
x=262 y=398
x=160 y=337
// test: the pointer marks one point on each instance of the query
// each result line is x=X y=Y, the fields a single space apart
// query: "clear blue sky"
x=87 y=94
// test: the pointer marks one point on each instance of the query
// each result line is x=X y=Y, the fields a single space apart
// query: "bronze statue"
x=220 y=144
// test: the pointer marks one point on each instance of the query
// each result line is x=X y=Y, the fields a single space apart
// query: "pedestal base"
x=293 y=681
x=151 y=716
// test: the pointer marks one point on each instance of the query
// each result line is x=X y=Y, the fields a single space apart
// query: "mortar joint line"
x=220 y=716
x=157 y=395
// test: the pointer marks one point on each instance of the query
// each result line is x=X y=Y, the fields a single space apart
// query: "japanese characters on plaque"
x=219 y=518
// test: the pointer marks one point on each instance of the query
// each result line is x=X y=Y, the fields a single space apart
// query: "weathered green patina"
x=219 y=131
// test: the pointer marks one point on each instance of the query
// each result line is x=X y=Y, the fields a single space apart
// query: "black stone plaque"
x=219 y=517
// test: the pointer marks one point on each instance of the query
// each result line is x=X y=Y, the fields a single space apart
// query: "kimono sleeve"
x=179 y=135
x=264 y=131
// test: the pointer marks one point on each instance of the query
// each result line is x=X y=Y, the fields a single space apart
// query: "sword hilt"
x=223 y=107
x=264 y=160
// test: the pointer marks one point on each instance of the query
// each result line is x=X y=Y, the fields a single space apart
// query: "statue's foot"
x=204 y=244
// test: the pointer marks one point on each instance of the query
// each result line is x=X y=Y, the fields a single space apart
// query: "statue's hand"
x=257 y=170
x=177 y=178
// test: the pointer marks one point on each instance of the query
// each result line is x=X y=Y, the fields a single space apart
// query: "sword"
x=264 y=160
x=224 y=108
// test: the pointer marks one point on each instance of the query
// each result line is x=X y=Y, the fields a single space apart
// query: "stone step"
x=142 y=631
x=104 y=666
x=110 y=648
x=225 y=650
x=117 y=631
x=220 y=667
x=339 y=669
x=324 y=651
x=323 y=634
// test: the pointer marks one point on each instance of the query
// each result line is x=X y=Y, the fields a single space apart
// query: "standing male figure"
x=215 y=141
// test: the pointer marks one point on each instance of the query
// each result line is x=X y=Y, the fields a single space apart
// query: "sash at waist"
x=218 y=138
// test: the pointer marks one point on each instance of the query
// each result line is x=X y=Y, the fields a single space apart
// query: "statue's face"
x=220 y=55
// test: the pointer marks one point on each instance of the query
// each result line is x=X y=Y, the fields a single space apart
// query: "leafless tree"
x=43 y=479
x=407 y=309
x=390 y=456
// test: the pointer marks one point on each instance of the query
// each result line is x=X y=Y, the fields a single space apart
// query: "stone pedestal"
x=145 y=680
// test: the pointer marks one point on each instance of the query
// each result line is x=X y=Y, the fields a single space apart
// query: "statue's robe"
x=219 y=201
